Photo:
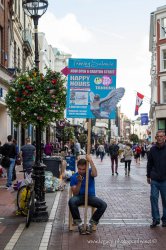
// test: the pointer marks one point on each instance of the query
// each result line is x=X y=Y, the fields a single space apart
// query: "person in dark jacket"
x=156 y=177
x=9 y=149
x=114 y=152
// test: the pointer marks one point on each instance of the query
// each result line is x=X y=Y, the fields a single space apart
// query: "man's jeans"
x=156 y=188
x=10 y=172
x=93 y=201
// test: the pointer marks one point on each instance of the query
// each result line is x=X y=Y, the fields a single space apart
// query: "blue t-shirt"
x=91 y=186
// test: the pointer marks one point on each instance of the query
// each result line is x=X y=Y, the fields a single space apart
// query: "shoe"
x=164 y=224
x=125 y=173
x=128 y=173
x=116 y=173
x=89 y=228
x=81 y=229
x=154 y=224
x=112 y=173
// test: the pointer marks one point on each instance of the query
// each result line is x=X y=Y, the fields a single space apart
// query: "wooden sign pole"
x=87 y=174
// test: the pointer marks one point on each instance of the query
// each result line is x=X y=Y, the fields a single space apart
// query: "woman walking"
x=128 y=153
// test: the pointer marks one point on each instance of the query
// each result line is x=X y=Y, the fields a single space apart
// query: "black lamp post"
x=35 y=9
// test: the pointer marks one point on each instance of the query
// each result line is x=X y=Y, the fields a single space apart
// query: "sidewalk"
x=125 y=224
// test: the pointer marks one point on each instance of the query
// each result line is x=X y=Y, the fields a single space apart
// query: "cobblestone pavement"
x=125 y=224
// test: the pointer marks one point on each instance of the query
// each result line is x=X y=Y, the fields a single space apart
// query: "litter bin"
x=53 y=165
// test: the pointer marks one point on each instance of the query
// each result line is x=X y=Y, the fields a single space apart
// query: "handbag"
x=5 y=162
x=122 y=160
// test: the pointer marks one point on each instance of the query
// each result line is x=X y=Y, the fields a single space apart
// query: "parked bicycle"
x=26 y=197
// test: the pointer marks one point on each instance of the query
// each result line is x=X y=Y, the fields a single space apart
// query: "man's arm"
x=76 y=188
x=149 y=167
x=93 y=167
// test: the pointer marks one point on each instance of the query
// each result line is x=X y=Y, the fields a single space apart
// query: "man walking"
x=9 y=149
x=156 y=177
x=114 y=151
x=27 y=154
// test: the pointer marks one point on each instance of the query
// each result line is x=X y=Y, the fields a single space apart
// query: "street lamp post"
x=35 y=9
x=133 y=124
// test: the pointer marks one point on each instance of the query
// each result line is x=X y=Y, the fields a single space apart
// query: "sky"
x=107 y=29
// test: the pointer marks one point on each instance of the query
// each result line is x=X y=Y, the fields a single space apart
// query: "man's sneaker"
x=89 y=228
x=81 y=229
x=164 y=224
x=154 y=223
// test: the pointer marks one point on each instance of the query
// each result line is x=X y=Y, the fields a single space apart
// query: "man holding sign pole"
x=78 y=183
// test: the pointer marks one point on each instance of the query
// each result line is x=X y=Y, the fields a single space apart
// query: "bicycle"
x=26 y=197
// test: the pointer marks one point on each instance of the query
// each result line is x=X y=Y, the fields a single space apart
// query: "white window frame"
x=163 y=28
x=162 y=49
x=163 y=95
x=162 y=82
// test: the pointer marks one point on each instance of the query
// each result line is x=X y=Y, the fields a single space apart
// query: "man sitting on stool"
x=78 y=183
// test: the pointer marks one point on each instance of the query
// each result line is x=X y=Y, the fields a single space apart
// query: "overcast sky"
x=114 y=29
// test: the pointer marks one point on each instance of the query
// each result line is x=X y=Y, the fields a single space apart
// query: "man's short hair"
x=160 y=131
x=81 y=162
x=28 y=140
x=9 y=138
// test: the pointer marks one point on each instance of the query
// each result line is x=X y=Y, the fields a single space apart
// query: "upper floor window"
x=15 y=54
x=163 y=59
x=164 y=92
x=1 y=48
x=18 y=58
x=15 y=6
x=163 y=28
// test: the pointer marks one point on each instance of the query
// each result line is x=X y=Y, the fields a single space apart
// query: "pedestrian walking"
x=156 y=177
x=101 y=151
x=128 y=153
x=9 y=149
x=77 y=183
x=77 y=148
x=137 y=154
x=114 y=151
x=27 y=154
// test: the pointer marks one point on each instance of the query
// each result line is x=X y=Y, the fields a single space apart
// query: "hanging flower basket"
x=37 y=99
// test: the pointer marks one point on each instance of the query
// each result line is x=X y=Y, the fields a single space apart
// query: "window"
x=162 y=124
x=15 y=55
x=163 y=27
x=1 y=40
x=15 y=6
x=19 y=9
x=18 y=58
x=164 y=59
x=164 y=92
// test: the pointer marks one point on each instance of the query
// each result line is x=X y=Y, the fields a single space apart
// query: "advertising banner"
x=91 y=88
x=144 y=119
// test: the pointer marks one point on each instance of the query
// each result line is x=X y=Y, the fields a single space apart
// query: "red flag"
x=139 y=101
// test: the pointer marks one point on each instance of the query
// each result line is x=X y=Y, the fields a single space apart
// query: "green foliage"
x=134 y=138
x=37 y=99
x=83 y=138
x=68 y=133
